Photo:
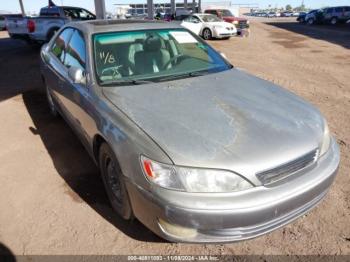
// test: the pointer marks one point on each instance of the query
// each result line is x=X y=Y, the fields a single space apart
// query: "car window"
x=192 y=19
x=61 y=41
x=225 y=12
x=152 y=55
x=329 y=10
x=76 y=53
x=347 y=9
x=339 y=9
x=78 y=13
x=210 y=18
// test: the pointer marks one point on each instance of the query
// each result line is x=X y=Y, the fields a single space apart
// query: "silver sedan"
x=194 y=148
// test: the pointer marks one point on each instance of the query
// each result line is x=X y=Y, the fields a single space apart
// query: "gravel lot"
x=52 y=199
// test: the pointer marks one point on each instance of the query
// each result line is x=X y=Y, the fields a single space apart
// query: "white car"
x=209 y=26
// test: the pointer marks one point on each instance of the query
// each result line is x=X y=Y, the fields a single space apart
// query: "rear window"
x=52 y=11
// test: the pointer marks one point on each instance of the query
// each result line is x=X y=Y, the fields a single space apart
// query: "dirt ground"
x=52 y=199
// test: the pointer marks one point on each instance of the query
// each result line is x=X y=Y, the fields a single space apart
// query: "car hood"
x=229 y=120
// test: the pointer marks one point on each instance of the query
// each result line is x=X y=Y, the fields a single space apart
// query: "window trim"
x=53 y=43
x=85 y=43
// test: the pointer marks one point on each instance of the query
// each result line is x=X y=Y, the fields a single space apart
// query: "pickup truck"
x=40 y=29
x=226 y=15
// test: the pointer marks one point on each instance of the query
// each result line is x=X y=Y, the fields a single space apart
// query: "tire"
x=310 y=21
x=113 y=181
x=334 y=21
x=51 y=104
x=207 y=35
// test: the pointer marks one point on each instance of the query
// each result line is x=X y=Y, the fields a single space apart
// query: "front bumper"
x=223 y=33
x=228 y=217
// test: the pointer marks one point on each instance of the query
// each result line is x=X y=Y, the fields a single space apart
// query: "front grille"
x=290 y=168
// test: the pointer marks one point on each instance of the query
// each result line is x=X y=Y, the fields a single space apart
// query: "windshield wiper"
x=191 y=74
x=128 y=82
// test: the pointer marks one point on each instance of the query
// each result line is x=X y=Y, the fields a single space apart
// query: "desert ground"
x=52 y=199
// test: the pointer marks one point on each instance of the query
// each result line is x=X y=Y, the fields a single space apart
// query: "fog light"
x=176 y=230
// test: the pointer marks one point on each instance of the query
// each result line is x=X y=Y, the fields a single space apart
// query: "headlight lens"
x=235 y=22
x=193 y=179
x=326 y=140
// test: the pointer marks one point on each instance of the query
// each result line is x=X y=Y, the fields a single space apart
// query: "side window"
x=339 y=9
x=76 y=54
x=195 y=19
x=59 y=46
x=330 y=10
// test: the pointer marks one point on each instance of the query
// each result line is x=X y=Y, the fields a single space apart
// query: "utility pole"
x=22 y=7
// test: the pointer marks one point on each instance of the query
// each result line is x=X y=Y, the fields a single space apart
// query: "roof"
x=101 y=26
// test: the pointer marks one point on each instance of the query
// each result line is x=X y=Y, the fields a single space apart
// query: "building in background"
x=165 y=7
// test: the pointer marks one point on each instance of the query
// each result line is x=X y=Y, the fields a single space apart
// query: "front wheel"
x=113 y=181
x=207 y=35
x=310 y=21
x=334 y=21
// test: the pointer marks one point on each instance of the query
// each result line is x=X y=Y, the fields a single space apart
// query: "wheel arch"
x=98 y=140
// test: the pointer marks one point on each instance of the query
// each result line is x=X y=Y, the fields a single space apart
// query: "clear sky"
x=35 y=5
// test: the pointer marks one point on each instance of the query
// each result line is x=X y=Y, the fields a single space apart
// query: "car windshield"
x=225 y=12
x=123 y=58
x=210 y=18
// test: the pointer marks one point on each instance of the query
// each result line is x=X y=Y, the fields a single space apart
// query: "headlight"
x=235 y=22
x=326 y=140
x=248 y=22
x=192 y=179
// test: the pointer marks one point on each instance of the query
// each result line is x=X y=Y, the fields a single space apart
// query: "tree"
x=289 y=7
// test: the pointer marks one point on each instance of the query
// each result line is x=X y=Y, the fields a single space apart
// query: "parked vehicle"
x=335 y=15
x=195 y=149
x=43 y=27
x=209 y=26
x=302 y=15
x=315 y=17
x=287 y=14
x=2 y=23
x=17 y=26
x=227 y=16
x=271 y=14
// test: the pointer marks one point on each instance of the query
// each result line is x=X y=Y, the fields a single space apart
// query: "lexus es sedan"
x=194 y=148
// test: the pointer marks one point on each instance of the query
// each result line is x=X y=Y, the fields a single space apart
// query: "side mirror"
x=77 y=75
x=44 y=53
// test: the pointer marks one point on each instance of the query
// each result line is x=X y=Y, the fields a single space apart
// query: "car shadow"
x=6 y=254
x=72 y=162
x=339 y=35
